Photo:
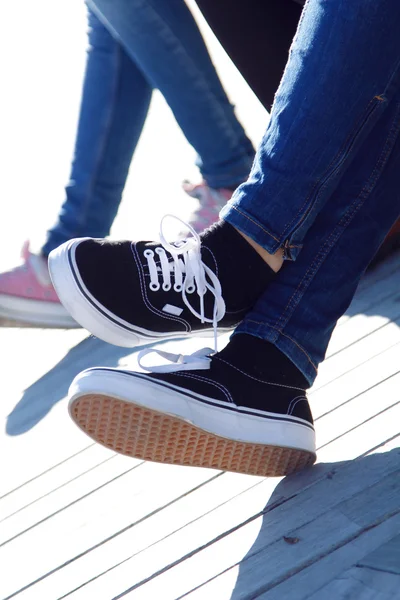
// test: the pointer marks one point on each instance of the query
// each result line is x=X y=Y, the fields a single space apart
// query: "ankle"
x=263 y=360
x=275 y=261
x=242 y=272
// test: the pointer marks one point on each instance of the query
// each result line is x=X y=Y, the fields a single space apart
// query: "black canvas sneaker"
x=204 y=411
x=130 y=293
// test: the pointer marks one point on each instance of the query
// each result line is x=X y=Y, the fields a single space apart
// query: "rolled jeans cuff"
x=250 y=226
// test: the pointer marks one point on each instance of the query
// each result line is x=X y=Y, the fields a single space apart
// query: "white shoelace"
x=191 y=275
x=199 y=360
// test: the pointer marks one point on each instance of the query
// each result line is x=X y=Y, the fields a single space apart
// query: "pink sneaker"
x=211 y=201
x=27 y=294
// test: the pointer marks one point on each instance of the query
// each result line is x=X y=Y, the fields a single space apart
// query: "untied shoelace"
x=191 y=275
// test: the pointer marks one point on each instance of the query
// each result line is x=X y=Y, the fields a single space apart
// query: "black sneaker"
x=130 y=293
x=208 y=412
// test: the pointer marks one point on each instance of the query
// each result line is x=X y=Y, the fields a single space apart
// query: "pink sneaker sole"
x=35 y=312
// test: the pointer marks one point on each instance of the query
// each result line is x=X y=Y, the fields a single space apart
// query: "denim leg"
x=114 y=106
x=342 y=71
x=301 y=307
x=164 y=41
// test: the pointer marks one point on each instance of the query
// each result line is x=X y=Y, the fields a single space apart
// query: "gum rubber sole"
x=136 y=431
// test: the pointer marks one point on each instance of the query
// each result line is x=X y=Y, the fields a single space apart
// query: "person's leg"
x=255 y=28
x=164 y=41
x=300 y=308
x=115 y=102
x=114 y=106
x=245 y=408
x=313 y=137
x=337 y=84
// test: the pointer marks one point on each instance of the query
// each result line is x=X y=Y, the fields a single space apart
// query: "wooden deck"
x=77 y=521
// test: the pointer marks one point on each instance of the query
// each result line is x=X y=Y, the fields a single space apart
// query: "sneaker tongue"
x=39 y=266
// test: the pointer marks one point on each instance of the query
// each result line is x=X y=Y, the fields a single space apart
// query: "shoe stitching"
x=219 y=386
x=145 y=298
x=288 y=387
x=215 y=262
x=255 y=223
x=293 y=403
x=339 y=228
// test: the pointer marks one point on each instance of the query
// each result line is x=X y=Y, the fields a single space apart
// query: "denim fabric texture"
x=134 y=47
x=325 y=183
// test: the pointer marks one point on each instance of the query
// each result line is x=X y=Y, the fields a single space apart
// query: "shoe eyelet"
x=190 y=289
x=177 y=287
x=166 y=287
x=159 y=250
x=154 y=287
x=148 y=252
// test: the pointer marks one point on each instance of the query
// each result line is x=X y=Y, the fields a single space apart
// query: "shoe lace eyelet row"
x=183 y=264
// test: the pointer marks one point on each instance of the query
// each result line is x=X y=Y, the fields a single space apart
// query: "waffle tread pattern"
x=146 y=434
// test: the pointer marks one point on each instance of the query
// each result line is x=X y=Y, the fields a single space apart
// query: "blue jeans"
x=325 y=185
x=134 y=47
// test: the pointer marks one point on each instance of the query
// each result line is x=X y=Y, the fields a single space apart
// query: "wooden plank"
x=204 y=530
x=366 y=508
x=39 y=439
x=20 y=347
x=271 y=571
x=53 y=479
x=362 y=325
x=53 y=503
x=224 y=493
x=385 y=558
x=231 y=585
x=371 y=293
x=355 y=382
x=361 y=584
x=286 y=515
x=51 y=442
x=268 y=562
x=39 y=411
x=364 y=437
x=358 y=354
x=43 y=415
x=93 y=519
x=302 y=585
x=392 y=444
x=383 y=272
x=363 y=407
x=374 y=291
x=384 y=361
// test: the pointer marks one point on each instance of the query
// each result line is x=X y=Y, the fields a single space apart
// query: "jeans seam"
x=345 y=219
x=104 y=137
x=340 y=158
x=377 y=100
x=254 y=223
x=199 y=74
x=326 y=176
